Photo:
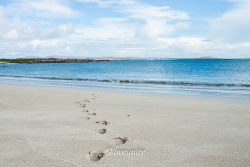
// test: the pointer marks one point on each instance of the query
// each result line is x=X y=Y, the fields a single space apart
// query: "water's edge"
x=172 y=88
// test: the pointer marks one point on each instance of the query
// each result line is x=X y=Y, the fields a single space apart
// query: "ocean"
x=202 y=77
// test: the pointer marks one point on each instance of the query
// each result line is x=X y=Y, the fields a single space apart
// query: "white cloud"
x=44 y=44
x=106 y=32
x=1 y=13
x=158 y=21
x=44 y=8
x=138 y=30
x=11 y=34
x=112 y=36
x=145 y=11
x=198 y=46
x=234 y=25
x=107 y=3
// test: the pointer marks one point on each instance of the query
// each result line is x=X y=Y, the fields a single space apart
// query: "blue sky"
x=125 y=28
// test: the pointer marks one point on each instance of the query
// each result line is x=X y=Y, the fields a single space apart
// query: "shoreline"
x=125 y=91
x=49 y=126
x=173 y=92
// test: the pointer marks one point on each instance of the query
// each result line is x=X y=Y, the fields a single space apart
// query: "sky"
x=125 y=28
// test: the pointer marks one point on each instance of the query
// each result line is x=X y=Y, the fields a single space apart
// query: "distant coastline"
x=87 y=60
x=45 y=60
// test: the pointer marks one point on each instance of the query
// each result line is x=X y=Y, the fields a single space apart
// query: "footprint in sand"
x=102 y=131
x=92 y=114
x=82 y=105
x=85 y=110
x=87 y=118
x=120 y=140
x=102 y=122
x=95 y=156
x=87 y=101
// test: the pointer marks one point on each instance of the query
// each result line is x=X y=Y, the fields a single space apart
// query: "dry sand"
x=56 y=127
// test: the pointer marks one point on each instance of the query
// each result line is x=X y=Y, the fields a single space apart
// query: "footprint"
x=120 y=140
x=83 y=105
x=102 y=131
x=94 y=156
x=85 y=110
x=87 y=118
x=102 y=122
x=86 y=100
x=93 y=114
x=128 y=115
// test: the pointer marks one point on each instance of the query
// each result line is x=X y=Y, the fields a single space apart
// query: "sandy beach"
x=62 y=127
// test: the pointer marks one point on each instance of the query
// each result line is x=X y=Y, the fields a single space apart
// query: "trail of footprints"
x=96 y=156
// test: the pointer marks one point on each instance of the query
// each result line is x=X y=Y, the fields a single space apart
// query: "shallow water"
x=209 y=77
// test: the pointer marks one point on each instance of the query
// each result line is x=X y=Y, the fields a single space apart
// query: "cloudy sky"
x=125 y=28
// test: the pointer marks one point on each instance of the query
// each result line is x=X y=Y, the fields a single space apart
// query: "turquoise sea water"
x=210 y=77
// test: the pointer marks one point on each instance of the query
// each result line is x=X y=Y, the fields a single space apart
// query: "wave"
x=125 y=81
